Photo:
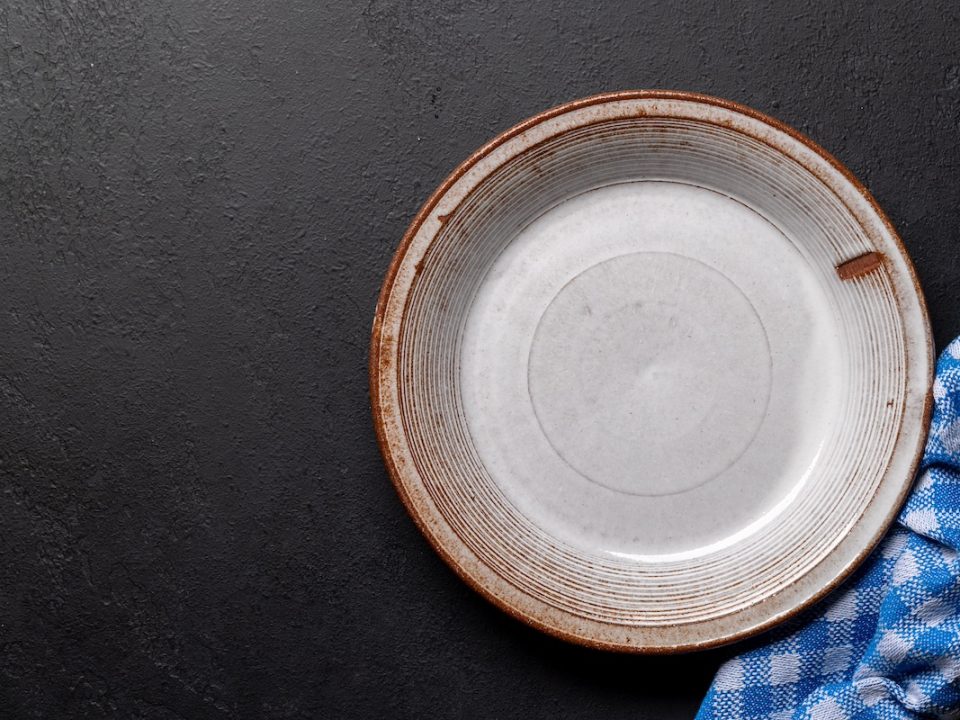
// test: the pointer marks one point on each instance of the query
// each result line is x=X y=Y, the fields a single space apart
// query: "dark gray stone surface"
x=197 y=203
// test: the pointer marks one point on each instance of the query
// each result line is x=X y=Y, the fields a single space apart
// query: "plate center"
x=650 y=373
x=650 y=369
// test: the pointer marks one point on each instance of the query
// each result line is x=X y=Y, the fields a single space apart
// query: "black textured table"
x=197 y=204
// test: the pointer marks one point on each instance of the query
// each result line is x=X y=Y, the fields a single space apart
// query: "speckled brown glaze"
x=622 y=630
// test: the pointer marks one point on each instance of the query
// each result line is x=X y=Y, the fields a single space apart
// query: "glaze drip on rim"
x=825 y=522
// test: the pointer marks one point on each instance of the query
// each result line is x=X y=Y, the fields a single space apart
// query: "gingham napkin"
x=887 y=644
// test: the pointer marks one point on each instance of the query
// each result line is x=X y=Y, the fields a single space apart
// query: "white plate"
x=651 y=370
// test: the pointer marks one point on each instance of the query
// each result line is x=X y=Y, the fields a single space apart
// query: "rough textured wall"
x=197 y=203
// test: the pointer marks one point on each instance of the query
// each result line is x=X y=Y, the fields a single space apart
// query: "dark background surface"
x=198 y=201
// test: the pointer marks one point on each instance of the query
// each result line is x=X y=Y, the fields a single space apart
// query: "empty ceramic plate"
x=650 y=371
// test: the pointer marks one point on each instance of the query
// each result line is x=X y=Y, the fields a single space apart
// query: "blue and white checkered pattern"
x=887 y=644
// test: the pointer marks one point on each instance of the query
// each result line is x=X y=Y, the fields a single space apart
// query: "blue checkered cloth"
x=886 y=644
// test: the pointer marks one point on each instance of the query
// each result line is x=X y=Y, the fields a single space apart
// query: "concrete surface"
x=197 y=203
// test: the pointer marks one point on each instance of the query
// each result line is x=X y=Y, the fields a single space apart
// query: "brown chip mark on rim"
x=860 y=265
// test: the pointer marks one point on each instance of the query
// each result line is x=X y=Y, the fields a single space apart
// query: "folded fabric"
x=887 y=643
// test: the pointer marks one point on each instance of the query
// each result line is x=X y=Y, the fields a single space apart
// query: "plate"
x=650 y=371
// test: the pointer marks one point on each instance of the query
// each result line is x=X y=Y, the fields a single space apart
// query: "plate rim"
x=382 y=416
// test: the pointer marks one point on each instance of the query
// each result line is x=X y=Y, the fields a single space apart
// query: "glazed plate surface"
x=651 y=371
